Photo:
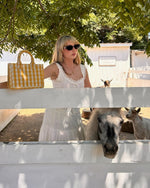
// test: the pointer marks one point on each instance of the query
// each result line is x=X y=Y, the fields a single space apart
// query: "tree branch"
x=42 y=7
x=10 y=23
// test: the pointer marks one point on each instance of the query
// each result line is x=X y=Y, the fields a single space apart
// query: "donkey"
x=141 y=125
x=105 y=125
x=106 y=82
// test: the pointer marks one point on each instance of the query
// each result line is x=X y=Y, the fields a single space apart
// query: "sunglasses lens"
x=76 y=46
x=69 y=47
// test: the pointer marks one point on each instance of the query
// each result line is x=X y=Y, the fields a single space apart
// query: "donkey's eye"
x=99 y=119
x=121 y=122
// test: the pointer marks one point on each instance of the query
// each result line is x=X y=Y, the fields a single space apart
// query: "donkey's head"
x=106 y=82
x=109 y=126
x=132 y=113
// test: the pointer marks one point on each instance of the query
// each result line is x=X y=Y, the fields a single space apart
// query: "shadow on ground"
x=22 y=128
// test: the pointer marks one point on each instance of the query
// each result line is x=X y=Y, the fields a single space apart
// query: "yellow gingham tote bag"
x=25 y=76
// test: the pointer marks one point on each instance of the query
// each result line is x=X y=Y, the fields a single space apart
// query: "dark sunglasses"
x=70 y=47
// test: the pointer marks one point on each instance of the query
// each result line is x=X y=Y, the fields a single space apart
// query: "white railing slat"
x=75 y=98
x=72 y=152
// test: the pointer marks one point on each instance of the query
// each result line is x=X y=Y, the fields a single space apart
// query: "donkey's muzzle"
x=110 y=150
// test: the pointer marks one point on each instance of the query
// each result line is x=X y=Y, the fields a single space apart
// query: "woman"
x=65 y=72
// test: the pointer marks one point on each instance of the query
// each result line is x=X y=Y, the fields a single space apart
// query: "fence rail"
x=75 y=98
x=133 y=79
x=139 y=72
x=74 y=164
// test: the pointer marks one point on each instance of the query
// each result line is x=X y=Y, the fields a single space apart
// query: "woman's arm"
x=87 y=81
x=3 y=85
x=51 y=71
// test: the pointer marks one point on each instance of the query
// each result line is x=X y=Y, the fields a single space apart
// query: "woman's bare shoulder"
x=51 y=71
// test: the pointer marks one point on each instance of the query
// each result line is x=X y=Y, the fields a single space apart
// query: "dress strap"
x=83 y=70
x=58 y=65
x=60 y=74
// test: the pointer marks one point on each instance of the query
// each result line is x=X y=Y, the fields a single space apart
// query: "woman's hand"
x=3 y=85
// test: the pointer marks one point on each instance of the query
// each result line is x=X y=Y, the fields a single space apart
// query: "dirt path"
x=24 y=127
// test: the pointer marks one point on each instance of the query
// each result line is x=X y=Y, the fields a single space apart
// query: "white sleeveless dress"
x=63 y=124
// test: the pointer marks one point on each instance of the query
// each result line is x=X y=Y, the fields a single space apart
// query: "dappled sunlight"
x=73 y=164
x=126 y=180
x=78 y=154
x=75 y=97
x=112 y=97
x=82 y=153
x=130 y=99
x=118 y=180
x=132 y=151
x=79 y=180
x=30 y=112
x=22 y=180
x=109 y=97
x=23 y=127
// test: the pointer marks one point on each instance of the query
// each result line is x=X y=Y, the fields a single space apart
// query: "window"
x=107 y=60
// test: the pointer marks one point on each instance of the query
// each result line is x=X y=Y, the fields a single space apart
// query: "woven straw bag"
x=25 y=76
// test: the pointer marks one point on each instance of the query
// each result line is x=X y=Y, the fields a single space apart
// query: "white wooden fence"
x=6 y=115
x=134 y=78
x=74 y=164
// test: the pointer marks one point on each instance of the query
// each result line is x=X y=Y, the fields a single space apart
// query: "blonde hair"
x=59 y=46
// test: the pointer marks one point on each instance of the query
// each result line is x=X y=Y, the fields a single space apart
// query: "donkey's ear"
x=91 y=109
x=127 y=109
x=138 y=110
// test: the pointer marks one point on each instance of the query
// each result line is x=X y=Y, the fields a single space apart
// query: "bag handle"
x=19 y=56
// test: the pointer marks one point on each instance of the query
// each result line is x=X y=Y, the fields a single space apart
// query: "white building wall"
x=116 y=71
x=140 y=59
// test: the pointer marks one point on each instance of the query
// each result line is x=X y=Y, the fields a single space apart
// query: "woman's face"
x=69 y=51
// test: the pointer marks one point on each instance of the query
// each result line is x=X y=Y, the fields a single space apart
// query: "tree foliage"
x=36 y=24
